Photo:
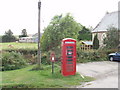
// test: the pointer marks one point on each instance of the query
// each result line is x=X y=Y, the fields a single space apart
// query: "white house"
x=28 y=39
x=31 y=39
x=109 y=20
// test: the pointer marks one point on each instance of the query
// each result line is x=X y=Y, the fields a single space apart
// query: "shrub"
x=24 y=51
x=93 y=55
x=95 y=42
x=12 y=61
x=29 y=53
x=112 y=38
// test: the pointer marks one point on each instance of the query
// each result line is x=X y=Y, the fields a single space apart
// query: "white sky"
x=23 y=14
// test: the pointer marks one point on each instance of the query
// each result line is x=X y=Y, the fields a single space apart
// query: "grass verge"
x=14 y=45
x=25 y=78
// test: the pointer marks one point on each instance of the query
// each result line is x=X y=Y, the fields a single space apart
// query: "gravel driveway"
x=105 y=72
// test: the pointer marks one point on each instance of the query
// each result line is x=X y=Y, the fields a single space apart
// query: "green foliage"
x=94 y=55
x=59 y=28
x=25 y=78
x=8 y=37
x=95 y=42
x=85 y=34
x=23 y=51
x=28 y=53
x=112 y=39
x=31 y=55
x=29 y=50
x=23 y=34
x=46 y=56
x=12 y=61
x=91 y=56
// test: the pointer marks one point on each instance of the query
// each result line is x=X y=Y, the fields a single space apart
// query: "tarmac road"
x=105 y=73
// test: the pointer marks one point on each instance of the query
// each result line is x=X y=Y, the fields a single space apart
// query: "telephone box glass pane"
x=69 y=50
x=69 y=46
x=69 y=63
x=69 y=53
x=69 y=60
x=69 y=56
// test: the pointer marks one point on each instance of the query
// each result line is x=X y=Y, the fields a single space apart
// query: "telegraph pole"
x=39 y=51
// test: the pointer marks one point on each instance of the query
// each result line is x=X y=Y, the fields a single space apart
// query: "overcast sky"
x=23 y=14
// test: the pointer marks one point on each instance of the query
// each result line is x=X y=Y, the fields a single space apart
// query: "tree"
x=112 y=38
x=24 y=33
x=95 y=42
x=85 y=34
x=60 y=27
x=8 y=37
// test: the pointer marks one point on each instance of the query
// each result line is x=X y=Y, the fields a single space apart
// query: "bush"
x=93 y=55
x=24 y=51
x=29 y=53
x=12 y=61
x=95 y=42
x=112 y=38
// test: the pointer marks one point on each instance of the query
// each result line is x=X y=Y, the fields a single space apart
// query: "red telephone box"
x=68 y=61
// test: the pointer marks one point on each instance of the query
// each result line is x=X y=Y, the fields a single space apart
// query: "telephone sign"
x=68 y=61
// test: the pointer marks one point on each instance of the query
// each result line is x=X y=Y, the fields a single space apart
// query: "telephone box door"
x=68 y=57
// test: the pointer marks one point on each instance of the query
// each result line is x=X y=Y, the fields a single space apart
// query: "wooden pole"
x=39 y=51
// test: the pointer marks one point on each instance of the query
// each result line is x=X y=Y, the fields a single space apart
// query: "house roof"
x=110 y=19
x=25 y=37
x=87 y=42
x=36 y=35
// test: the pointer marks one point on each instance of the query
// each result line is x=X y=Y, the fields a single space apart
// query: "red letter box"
x=68 y=66
x=52 y=57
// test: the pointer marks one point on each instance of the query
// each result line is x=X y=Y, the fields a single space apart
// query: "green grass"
x=25 y=78
x=15 y=45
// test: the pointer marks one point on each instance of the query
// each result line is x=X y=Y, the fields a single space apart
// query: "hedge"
x=12 y=61
x=93 y=55
x=24 y=51
x=82 y=56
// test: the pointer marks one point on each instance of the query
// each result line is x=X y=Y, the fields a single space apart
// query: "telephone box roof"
x=68 y=39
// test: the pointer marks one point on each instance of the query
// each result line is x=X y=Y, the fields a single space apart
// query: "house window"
x=103 y=36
